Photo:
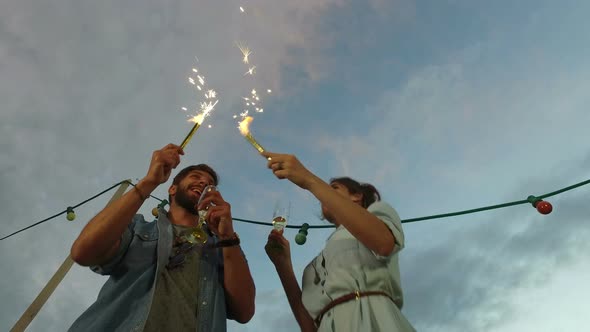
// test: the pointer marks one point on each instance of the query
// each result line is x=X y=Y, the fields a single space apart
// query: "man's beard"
x=184 y=200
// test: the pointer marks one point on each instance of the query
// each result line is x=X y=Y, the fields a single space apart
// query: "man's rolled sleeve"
x=108 y=267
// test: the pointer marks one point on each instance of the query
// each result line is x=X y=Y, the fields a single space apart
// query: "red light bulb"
x=544 y=207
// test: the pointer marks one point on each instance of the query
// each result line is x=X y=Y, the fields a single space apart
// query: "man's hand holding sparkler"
x=286 y=166
x=101 y=237
x=162 y=163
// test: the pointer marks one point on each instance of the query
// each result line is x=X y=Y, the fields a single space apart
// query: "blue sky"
x=443 y=105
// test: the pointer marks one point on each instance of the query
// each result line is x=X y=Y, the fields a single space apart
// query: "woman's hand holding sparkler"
x=286 y=166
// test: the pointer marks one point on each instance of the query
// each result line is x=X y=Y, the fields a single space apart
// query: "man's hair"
x=200 y=167
x=186 y=171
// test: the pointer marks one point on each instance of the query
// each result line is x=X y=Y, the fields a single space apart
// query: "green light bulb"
x=301 y=237
x=71 y=214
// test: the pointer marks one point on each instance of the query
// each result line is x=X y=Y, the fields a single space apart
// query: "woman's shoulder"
x=383 y=208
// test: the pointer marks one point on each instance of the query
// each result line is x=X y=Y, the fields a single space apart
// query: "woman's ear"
x=357 y=198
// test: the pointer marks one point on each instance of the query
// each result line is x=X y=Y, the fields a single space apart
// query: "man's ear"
x=172 y=190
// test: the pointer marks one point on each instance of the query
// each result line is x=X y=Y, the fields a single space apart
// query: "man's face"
x=189 y=190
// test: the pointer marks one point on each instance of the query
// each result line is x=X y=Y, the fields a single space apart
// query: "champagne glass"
x=279 y=221
x=280 y=216
x=198 y=234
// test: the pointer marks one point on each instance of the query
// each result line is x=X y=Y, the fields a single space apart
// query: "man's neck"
x=180 y=216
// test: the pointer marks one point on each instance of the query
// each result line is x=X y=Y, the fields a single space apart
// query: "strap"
x=233 y=241
x=345 y=298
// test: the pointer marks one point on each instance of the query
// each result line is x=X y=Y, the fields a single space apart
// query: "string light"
x=538 y=202
x=162 y=204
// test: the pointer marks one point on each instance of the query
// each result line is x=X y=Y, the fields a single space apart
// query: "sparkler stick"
x=190 y=135
x=247 y=135
x=206 y=108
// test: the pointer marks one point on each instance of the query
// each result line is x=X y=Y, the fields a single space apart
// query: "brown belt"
x=352 y=296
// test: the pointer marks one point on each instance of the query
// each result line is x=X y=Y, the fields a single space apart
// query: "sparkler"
x=245 y=131
x=253 y=101
x=206 y=107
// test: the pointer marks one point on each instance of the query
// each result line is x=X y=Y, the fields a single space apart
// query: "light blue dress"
x=344 y=266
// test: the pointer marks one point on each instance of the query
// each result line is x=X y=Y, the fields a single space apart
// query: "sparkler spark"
x=206 y=108
x=250 y=71
x=241 y=9
x=245 y=52
x=253 y=101
x=210 y=94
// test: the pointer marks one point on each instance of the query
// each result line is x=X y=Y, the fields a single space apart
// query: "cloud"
x=272 y=313
x=89 y=90
x=467 y=281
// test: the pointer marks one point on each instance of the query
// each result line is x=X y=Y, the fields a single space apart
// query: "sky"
x=443 y=105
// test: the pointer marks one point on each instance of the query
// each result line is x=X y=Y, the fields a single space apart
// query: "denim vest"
x=124 y=302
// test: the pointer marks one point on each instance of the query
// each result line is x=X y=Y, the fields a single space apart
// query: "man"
x=160 y=278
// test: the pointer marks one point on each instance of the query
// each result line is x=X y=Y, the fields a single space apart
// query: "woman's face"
x=342 y=191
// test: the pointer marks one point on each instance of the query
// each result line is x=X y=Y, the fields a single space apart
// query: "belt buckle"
x=357 y=295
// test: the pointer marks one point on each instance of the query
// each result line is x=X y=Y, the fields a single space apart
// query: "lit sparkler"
x=245 y=131
x=206 y=107
x=252 y=102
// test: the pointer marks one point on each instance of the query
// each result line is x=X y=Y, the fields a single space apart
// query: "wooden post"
x=46 y=292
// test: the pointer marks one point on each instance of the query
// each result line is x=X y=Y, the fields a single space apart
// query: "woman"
x=354 y=283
